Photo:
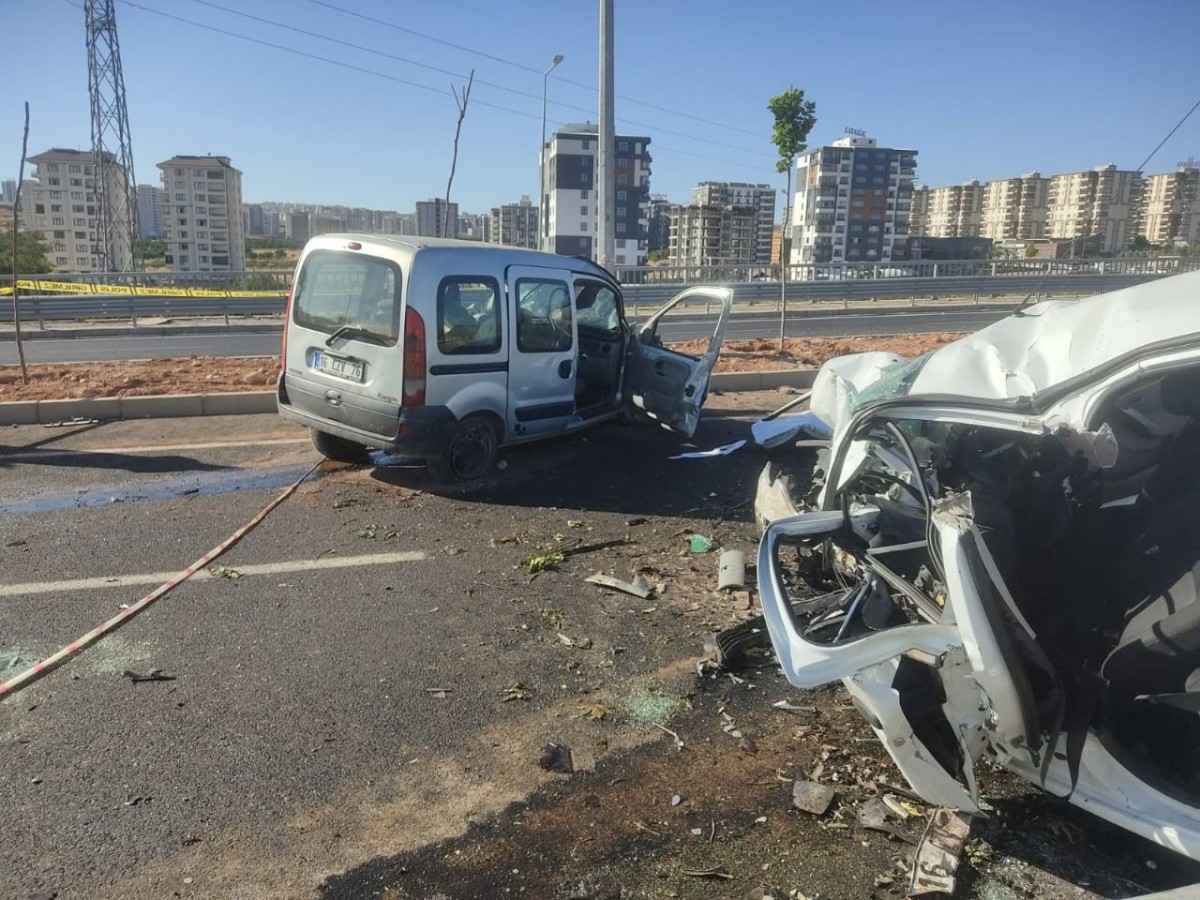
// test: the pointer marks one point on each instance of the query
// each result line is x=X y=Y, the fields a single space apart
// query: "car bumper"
x=422 y=432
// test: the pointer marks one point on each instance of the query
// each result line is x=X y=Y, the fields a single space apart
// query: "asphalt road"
x=362 y=692
x=228 y=342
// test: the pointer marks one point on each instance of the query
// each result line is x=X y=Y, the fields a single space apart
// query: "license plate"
x=350 y=369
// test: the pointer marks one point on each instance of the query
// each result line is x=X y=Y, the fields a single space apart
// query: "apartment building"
x=8 y=191
x=1104 y=201
x=1171 y=207
x=569 y=218
x=713 y=235
x=149 y=203
x=954 y=211
x=514 y=224
x=1015 y=208
x=202 y=214
x=400 y=223
x=853 y=202
x=738 y=194
x=658 y=223
x=298 y=228
x=60 y=202
x=432 y=216
x=324 y=223
x=918 y=218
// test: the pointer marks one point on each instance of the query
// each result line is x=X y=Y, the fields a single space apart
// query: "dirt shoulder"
x=215 y=375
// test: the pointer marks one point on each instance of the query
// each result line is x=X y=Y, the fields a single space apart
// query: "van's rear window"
x=335 y=289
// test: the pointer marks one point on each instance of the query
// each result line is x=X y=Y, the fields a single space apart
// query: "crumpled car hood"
x=1046 y=346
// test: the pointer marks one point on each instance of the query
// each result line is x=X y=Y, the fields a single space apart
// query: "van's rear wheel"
x=337 y=448
x=470 y=452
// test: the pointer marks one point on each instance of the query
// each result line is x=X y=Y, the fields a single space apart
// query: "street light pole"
x=542 y=217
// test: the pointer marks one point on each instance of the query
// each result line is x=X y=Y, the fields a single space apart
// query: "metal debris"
x=152 y=675
x=810 y=797
x=638 y=587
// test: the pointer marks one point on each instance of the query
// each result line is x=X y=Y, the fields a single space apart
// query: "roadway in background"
x=229 y=341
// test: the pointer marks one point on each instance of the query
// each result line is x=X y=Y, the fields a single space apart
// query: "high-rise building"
x=954 y=211
x=514 y=224
x=472 y=226
x=202 y=214
x=254 y=219
x=738 y=194
x=323 y=223
x=1014 y=209
x=658 y=223
x=569 y=219
x=8 y=192
x=1104 y=201
x=853 y=202
x=61 y=204
x=149 y=201
x=432 y=218
x=712 y=235
x=918 y=218
x=297 y=226
x=400 y=223
x=1171 y=207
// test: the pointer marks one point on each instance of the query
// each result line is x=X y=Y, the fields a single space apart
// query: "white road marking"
x=278 y=568
x=169 y=448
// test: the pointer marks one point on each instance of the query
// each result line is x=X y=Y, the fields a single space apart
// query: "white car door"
x=666 y=386
x=541 y=362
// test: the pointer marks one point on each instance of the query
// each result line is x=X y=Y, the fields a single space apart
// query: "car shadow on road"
x=614 y=468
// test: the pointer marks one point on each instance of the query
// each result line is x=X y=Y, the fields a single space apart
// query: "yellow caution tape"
x=124 y=290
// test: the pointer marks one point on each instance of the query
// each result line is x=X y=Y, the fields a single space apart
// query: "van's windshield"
x=336 y=289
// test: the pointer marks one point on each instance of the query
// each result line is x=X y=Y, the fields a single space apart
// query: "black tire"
x=337 y=448
x=470 y=452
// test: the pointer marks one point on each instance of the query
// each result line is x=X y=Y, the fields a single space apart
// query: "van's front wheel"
x=470 y=452
x=337 y=448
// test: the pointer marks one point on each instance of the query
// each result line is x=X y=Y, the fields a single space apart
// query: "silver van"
x=448 y=350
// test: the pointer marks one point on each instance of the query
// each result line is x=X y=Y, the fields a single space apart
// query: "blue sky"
x=980 y=90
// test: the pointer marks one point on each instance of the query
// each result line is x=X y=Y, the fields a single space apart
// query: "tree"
x=460 y=100
x=794 y=119
x=31 y=254
x=657 y=256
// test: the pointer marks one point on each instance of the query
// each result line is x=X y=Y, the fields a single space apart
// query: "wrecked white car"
x=1001 y=555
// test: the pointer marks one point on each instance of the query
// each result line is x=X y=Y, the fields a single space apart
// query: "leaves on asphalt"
x=515 y=691
x=224 y=572
x=540 y=562
x=593 y=711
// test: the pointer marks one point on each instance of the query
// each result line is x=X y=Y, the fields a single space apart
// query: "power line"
x=363 y=70
x=1168 y=137
x=532 y=69
x=623 y=57
x=432 y=68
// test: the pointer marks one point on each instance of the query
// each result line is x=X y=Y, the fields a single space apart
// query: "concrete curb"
x=168 y=406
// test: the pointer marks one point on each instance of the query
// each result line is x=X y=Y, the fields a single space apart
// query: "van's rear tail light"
x=414 y=358
x=287 y=318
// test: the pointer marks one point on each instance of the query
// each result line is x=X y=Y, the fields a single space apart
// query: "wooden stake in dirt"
x=16 y=228
x=461 y=103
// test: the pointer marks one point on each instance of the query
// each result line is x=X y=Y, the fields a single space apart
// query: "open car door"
x=666 y=386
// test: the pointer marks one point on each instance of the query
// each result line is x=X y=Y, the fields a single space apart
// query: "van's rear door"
x=344 y=354
x=545 y=342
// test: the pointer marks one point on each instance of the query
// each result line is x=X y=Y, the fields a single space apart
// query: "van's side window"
x=596 y=308
x=468 y=315
x=543 y=315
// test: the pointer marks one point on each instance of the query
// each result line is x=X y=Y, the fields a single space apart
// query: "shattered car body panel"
x=1003 y=556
